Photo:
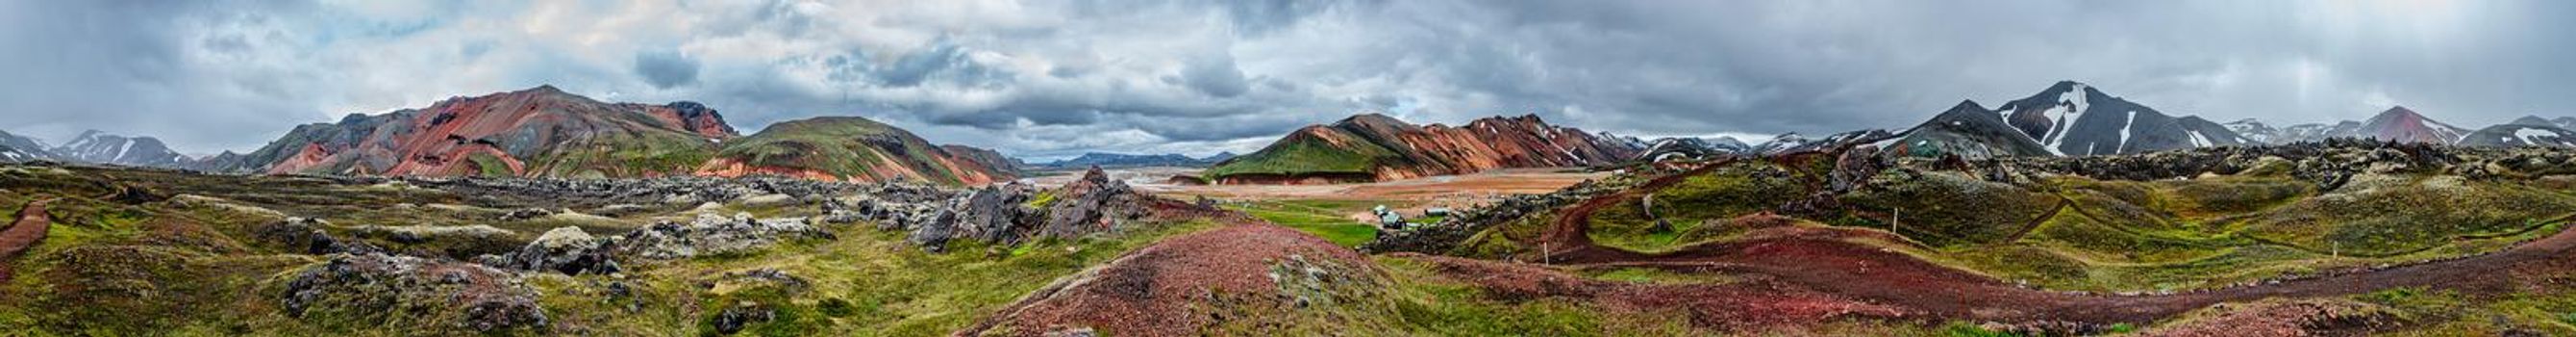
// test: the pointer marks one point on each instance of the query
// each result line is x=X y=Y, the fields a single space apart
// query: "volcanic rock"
x=711 y=234
x=1093 y=204
x=565 y=250
x=378 y=288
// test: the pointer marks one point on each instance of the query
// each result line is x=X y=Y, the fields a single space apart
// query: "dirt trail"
x=26 y=233
x=1826 y=261
x=1157 y=290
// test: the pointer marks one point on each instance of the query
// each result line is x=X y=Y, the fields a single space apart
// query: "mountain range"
x=1375 y=147
x=545 y=132
x=2074 y=119
x=1118 y=160
x=96 y=147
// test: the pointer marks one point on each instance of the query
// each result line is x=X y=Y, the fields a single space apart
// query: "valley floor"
x=1708 y=251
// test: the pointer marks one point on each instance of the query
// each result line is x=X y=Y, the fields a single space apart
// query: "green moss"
x=2395 y=217
x=1950 y=209
x=1654 y=276
x=1323 y=218
x=1043 y=199
x=489 y=166
x=1963 y=329
x=1688 y=205
x=1430 y=304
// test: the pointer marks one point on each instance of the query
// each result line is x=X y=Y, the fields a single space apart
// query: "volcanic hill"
x=852 y=149
x=546 y=132
x=1374 y=147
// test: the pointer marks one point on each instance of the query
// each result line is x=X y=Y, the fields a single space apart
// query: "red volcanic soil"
x=1751 y=304
x=1830 y=261
x=1153 y=291
x=26 y=233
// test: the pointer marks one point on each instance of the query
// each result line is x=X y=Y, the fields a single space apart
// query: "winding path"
x=25 y=233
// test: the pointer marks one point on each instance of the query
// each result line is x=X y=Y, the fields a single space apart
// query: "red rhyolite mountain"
x=2404 y=125
x=1374 y=147
x=537 y=132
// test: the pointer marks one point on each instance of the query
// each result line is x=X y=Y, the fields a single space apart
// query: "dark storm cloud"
x=1057 y=78
x=665 y=69
x=1215 y=76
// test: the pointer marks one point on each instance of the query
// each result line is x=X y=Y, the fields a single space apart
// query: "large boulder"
x=305 y=236
x=1093 y=204
x=567 y=250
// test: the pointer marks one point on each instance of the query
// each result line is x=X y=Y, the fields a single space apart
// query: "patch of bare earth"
x=25 y=233
x=1162 y=289
x=2282 y=318
x=1756 y=304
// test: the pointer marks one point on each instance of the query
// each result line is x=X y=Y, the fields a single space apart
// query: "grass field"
x=1329 y=219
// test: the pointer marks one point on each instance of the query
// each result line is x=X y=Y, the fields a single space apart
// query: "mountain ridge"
x=1376 y=147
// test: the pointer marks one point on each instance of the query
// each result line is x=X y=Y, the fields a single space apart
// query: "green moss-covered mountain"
x=1373 y=147
x=850 y=148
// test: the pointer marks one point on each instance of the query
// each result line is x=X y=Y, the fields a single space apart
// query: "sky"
x=1052 y=79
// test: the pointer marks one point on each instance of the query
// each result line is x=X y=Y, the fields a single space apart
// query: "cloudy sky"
x=1048 y=79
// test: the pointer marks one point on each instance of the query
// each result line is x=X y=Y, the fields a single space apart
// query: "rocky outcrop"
x=306 y=236
x=1005 y=214
x=569 y=250
x=690 y=116
x=399 y=293
x=986 y=157
x=1449 y=235
x=992 y=214
x=710 y=234
x=1090 y=205
x=565 y=250
x=1382 y=148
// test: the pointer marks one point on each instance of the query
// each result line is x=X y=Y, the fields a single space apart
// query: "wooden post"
x=1544 y=253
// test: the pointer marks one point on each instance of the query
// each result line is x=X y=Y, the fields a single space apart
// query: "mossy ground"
x=1329 y=219
x=2074 y=233
x=193 y=265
